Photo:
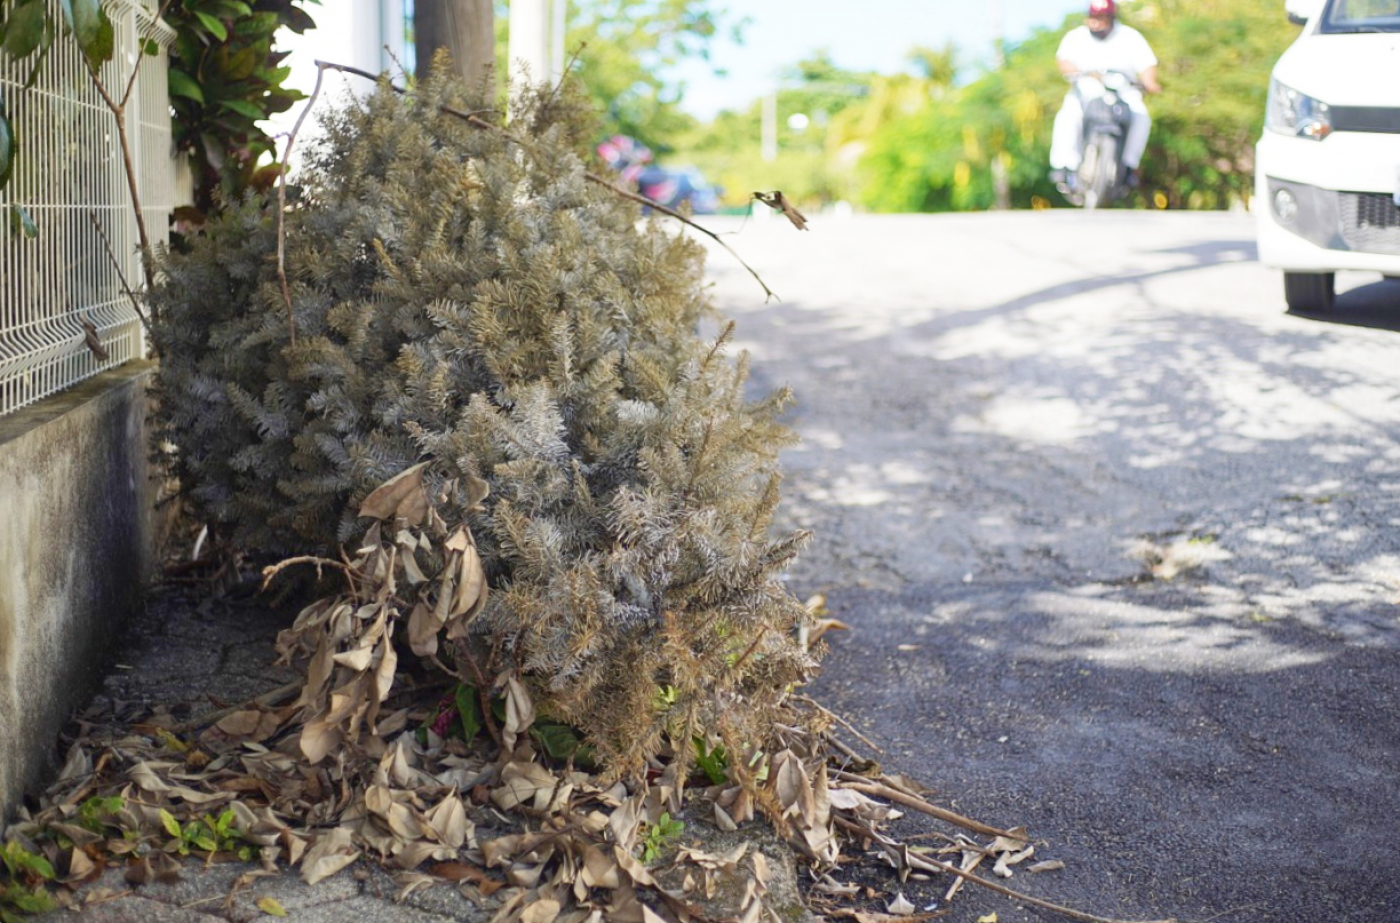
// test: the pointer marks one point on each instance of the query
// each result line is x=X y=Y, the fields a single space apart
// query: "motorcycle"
x=1101 y=177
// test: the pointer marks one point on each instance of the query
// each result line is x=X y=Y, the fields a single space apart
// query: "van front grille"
x=1370 y=222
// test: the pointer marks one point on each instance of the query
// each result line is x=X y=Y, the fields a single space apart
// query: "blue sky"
x=875 y=37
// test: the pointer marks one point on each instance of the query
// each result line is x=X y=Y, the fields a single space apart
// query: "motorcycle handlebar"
x=1072 y=76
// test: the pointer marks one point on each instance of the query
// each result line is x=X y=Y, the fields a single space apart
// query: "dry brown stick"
x=813 y=703
x=930 y=865
x=272 y=570
x=477 y=121
x=858 y=784
x=282 y=206
x=271 y=697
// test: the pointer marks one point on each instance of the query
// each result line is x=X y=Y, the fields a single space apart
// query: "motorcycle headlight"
x=1292 y=113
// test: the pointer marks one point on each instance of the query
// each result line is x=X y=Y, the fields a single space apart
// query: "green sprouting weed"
x=207 y=834
x=666 y=696
x=16 y=901
x=22 y=890
x=95 y=813
x=712 y=763
x=24 y=865
x=659 y=837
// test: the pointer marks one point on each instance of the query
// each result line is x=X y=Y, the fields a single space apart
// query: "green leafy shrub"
x=473 y=301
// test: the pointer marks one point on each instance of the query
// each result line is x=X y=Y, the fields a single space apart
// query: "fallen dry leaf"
x=900 y=906
x=271 y=906
x=463 y=871
x=329 y=854
x=1049 y=865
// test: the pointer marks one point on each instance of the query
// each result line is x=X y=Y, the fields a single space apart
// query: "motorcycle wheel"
x=1100 y=184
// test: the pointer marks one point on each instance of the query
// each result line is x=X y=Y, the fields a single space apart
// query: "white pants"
x=1067 y=140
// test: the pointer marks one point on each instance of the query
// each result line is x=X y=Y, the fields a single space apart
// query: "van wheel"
x=1309 y=291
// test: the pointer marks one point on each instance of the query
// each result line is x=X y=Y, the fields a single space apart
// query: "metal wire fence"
x=68 y=174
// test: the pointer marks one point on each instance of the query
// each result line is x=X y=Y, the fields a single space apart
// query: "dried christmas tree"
x=463 y=297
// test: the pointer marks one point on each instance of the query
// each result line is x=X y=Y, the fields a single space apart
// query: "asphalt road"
x=1008 y=421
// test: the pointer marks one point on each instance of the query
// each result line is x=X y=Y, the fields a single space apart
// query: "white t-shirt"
x=1123 y=50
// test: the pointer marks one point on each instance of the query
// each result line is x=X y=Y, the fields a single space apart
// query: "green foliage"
x=1216 y=59
x=808 y=167
x=624 y=48
x=928 y=142
x=208 y=833
x=475 y=303
x=22 y=888
x=660 y=836
x=226 y=77
x=713 y=762
x=97 y=812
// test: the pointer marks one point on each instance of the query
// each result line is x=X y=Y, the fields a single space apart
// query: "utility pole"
x=466 y=28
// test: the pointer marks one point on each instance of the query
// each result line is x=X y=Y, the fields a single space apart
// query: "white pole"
x=528 y=45
x=391 y=35
x=561 y=25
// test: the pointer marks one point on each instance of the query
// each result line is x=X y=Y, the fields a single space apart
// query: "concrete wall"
x=77 y=539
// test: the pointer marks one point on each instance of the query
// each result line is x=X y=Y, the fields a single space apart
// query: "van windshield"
x=1361 y=16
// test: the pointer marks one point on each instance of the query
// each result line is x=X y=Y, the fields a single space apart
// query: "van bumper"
x=1321 y=206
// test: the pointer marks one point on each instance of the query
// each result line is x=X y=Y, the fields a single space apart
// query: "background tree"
x=928 y=140
x=625 y=48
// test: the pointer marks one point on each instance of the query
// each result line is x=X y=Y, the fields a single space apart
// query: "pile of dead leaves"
x=440 y=777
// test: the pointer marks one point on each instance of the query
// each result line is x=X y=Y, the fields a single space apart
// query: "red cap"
x=1102 y=8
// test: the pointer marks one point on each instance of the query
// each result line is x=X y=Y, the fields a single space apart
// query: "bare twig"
x=121 y=277
x=475 y=120
x=864 y=786
x=269 y=698
x=930 y=865
x=812 y=703
x=272 y=570
x=118 y=110
x=282 y=206
x=136 y=68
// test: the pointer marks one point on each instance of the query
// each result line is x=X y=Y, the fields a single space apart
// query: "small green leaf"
x=171 y=825
x=558 y=740
x=36 y=901
x=25 y=29
x=712 y=763
x=150 y=48
x=181 y=84
x=469 y=710
x=215 y=28
x=7 y=150
x=242 y=108
x=225 y=821
x=91 y=28
x=205 y=842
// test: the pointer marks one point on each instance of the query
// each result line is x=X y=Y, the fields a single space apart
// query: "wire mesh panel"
x=69 y=177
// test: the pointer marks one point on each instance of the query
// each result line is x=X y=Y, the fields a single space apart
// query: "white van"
x=1327 y=168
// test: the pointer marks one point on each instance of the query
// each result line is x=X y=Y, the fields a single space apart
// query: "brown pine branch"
x=475 y=120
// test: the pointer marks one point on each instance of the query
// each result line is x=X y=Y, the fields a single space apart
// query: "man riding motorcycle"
x=1099 y=46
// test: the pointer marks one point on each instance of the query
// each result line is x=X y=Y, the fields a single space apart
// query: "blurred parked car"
x=677 y=187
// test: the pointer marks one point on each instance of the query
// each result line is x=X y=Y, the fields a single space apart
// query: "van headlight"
x=1292 y=113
